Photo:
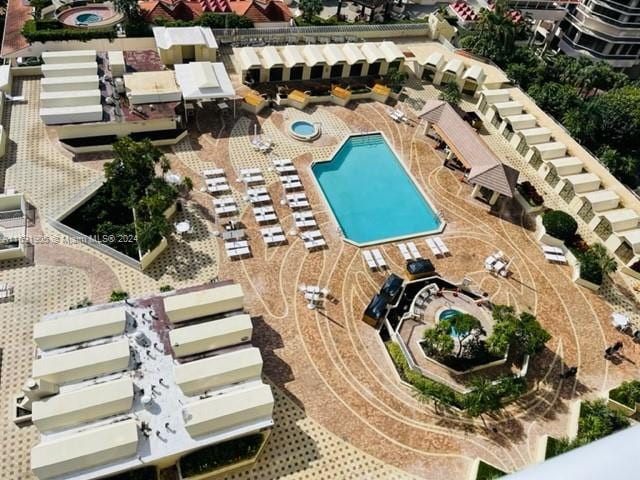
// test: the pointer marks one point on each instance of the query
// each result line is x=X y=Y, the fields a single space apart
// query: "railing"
x=76 y=236
x=259 y=34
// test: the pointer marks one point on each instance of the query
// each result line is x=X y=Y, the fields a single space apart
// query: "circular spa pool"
x=89 y=16
x=303 y=130
x=447 y=314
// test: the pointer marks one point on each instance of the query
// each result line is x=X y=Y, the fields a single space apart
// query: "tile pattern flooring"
x=349 y=404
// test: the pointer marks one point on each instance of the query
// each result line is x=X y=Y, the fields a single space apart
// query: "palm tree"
x=129 y=8
x=606 y=262
x=484 y=397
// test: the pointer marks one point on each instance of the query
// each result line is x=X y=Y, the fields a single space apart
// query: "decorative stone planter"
x=526 y=206
x=581 y=281
x=495 y=363
x=475 y=467
x=543 y=237
x=620 y=407
x=380 y=93
x=340 y=96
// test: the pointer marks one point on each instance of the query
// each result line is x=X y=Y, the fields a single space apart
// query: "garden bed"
x=488 y=472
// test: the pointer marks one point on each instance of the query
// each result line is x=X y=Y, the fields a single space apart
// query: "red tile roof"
x=18 y=12
x=262 y=12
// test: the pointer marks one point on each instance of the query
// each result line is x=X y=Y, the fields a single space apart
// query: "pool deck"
x=341 y=411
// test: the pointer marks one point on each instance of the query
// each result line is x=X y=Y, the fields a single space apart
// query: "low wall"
x=148 y=258
x=109 y=148
x=544 y=237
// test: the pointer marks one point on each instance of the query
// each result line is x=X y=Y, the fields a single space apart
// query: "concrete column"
x=494 y=198
x=475 y=191
x=450 y=155
x=427 y=128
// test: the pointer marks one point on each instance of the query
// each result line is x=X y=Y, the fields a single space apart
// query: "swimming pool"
x=370 y=193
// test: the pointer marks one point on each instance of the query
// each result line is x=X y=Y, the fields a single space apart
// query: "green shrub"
x=220 y=455
x=628 y=393
x=488 y=472
x=48 y=31
x=559 y=224
x=118 y=296
x=590 y=269
x=84 y=303
x=166 y=288
x=209 y=19
x=596 y=421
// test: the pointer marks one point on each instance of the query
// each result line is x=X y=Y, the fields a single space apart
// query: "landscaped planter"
x=581 y=281
x=453 y=371
x=620 y=407
x=526 y=206
x=543 y=237
x=148 y=258
x=476 y=472
x=219 y=472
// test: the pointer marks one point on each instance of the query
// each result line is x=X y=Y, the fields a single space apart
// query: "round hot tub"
x=89 y=16
x=303 y=130
x=446 y=314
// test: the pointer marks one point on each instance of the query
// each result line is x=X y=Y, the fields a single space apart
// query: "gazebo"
x=488 y=175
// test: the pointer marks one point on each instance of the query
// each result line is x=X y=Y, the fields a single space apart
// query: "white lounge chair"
x=404 y=251
x=552 y=250
x=379 y=258
x=433 y=247
x=552 y=257
x=414 y=250
x=369 y=259
x=441 y=246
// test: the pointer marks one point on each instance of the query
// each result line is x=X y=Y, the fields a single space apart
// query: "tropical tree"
x=555 y=98
x=483 y=397
x=607 y=263
x=310 y=9
x=129 y=8
x=437 y=342
x=38 y=6
x=464 y=325
x=624 y=167
x=132 y=170
x=494 y=34
x=451 y=93
x=523 y=333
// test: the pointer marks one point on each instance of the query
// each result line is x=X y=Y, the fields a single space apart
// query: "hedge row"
x=48 y=32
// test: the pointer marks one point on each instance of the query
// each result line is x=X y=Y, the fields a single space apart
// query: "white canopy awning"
x=334 y=54
x=372 y=53
x=248 y=58
x=292 y=56
x=271 y=57
x=475 y=73
x=391 y=52
x=435 y=60
x=353 y=53
x=203 y=81
x=454 y=65
x=313 y=55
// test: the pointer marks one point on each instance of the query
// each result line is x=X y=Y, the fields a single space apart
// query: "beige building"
x=185 y=44
x=117 y=387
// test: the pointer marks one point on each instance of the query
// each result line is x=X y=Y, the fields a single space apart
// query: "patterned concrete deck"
x=340 y=410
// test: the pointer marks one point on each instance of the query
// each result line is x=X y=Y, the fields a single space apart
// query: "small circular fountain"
x=303 y=130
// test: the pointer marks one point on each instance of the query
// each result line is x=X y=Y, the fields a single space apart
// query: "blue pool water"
x=447 y=314
x=303 y=128
x=370 y=193
x=88 y=18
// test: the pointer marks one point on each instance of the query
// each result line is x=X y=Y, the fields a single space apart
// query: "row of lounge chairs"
x=374 y=259
x=298 y=201
x=497 y=263
x=409 y=251
x=216 y=181
x=251 y=176
x=397 y=115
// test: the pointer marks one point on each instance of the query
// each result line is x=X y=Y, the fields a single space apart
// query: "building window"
x=374 y=68
x=448 y=77
x=552 y=177
x=522 y=147
x=427 y=74
x=496 y=120
x=604 y=230
x=296 y=73
x=567 y=193
x=316 y=72
x=469 y=87
x=254 y=74
x=484 y=106
x=356 y=70
x=275 y=74
x=586 y=212
x=394 y=65
x=336 y=71
x=624 y=252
